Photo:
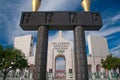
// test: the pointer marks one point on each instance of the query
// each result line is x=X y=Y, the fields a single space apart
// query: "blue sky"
x=10 y=14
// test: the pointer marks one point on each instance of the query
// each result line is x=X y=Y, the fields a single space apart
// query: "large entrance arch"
x=60 y=63
x=60 y=67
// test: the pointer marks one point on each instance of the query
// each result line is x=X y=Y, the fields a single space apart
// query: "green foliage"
x=11 y=59
x=110 y=62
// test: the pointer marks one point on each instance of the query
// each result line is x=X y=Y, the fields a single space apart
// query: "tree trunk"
x=4 y=75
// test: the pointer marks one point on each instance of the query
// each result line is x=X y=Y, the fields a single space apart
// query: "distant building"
x=60 y=47
x=98 y=49
x=25 y=44
x=98 y=46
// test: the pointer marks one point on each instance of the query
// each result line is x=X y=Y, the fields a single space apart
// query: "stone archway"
x=60 y=48
x=60 y=67
x=98 y=68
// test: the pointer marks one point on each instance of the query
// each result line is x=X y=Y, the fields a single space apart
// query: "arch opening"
x=98 y=70
x=90 y=70
x=60 y=67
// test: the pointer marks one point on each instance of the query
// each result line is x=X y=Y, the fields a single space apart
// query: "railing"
x=105 y=78
x=95 y=76
x=60 y=76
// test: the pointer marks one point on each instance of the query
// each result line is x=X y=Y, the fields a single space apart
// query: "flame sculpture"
x=35 y=5
x=86 y=5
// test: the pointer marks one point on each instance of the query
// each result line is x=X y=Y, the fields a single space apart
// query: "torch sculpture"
x=86 y=5
x=35 y=5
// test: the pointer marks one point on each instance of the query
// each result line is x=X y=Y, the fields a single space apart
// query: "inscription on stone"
x=95 y=17
x=49 y=17
x=26 y=18
x=73 y=18
x=61 y=46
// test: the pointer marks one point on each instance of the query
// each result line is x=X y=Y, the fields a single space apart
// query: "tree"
x=11 y=59
x=110 y=62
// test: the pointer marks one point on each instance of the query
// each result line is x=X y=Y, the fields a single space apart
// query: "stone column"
x=41 y=54
x=81 y=70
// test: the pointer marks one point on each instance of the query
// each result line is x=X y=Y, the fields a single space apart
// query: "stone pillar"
x=81 y=70
x=41 y=54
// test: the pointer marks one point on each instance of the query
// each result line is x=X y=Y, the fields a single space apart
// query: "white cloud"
x=110 y=21
x=116 y=17
x=52 y=37
x=68 y=35
x=116 y=51
x=59 y=5
x=105 y=32
x=13 y=29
